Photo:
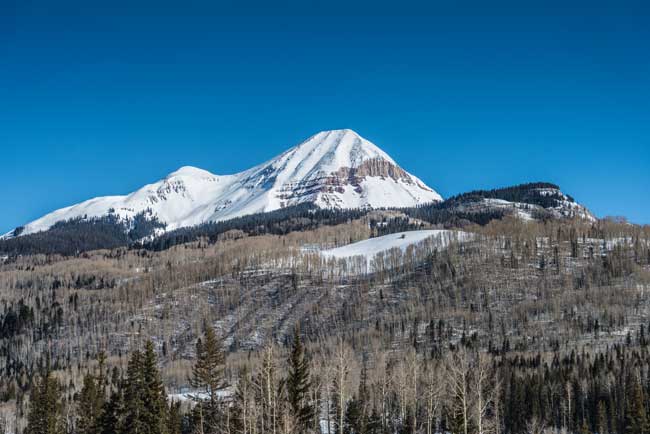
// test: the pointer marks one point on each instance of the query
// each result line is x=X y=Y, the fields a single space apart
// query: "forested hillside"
x=70 y=237
x=552 y=315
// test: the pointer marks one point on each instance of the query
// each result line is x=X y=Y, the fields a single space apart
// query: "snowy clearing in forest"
x=439 y=238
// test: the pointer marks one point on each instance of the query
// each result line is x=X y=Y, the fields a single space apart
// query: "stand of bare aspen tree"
x=524 y=327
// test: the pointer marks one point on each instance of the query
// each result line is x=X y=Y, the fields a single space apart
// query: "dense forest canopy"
x=82 y=234
x=544 y=194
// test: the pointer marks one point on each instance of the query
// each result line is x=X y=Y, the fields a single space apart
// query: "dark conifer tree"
x=91 y=402
x=45 y=407
x=208 y=370
x=133 y=416
x=298 y=383
x=174 y=418
x=144 y=409
x=208 y=378
x=111 y=418
x=154 y=398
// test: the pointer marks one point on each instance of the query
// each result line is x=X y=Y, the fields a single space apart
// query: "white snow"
x=565 y=208
x=194 y=396
x=370 y=248
x=190 y=196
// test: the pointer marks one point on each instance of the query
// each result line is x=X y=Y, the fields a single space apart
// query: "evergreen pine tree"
x=154 y=398
x=144 y=408
x=133 y=386
x=110 y=421
x=45 y=408
x=208 y=378
x=298 y=384
x=174 y=418
x=90 y=406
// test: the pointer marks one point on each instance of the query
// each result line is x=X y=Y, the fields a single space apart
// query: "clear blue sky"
x=98 y=100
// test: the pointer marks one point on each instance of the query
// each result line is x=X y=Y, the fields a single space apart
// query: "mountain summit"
x=331 y=169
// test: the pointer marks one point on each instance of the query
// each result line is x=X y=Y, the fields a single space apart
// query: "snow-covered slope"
x=402 y=240
x=334 y=169
x=376 y=254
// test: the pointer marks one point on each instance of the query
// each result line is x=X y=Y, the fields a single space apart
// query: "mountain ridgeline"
x=332 y=169
x=538 y=201
x=544 y=194
x=82 y=234
x=330 y=177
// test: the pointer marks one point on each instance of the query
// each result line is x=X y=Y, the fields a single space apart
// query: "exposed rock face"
x=336 y=182
x=378 y=167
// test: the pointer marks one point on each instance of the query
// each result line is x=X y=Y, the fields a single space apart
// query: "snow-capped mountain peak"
x=333 y=169
x=330 y=150
x=190 y=171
